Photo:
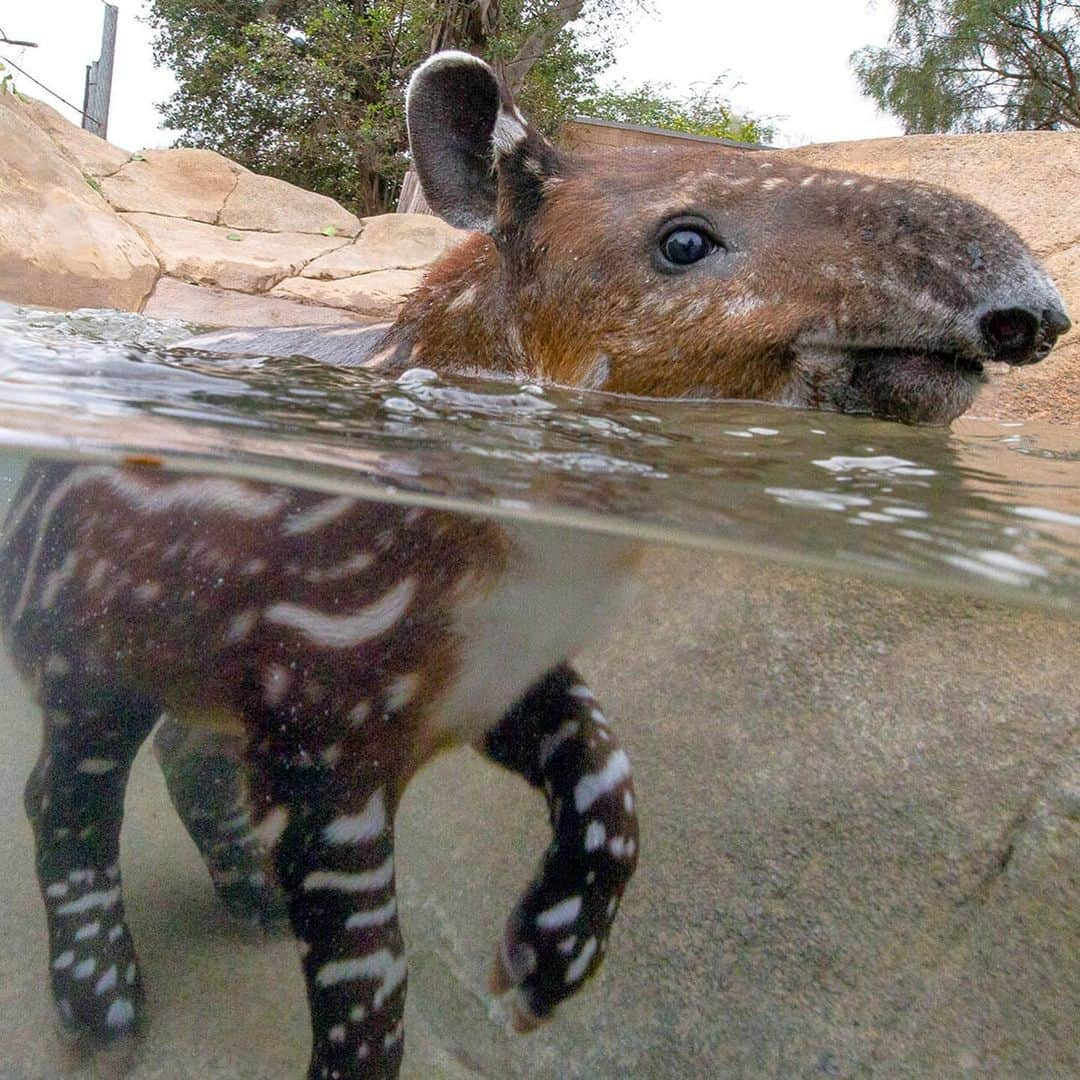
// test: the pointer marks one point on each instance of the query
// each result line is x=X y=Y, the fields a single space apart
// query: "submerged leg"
x=557 y=738
x=334 y=857
x=75 y=802
x=204 y=771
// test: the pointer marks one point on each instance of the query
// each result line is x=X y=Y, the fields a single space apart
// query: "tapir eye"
x=684 y=246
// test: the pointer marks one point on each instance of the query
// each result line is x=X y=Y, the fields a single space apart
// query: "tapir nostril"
x=1055 y=323
x=1011 y=334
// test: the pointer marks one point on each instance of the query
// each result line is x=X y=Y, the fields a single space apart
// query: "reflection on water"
x=854 y=796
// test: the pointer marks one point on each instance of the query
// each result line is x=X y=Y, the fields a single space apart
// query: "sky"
x=787 y=59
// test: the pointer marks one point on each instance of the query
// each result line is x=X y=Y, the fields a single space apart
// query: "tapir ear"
x=479 y=162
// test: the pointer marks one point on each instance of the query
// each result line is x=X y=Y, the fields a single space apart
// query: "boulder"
x=178 y=183
x=89 y=153
x=377 y=295
x=207 y=306
x=272 y=205
x=61 y=246
x=212 y=255
x=389 y=242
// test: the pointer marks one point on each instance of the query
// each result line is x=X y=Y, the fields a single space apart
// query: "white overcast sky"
x=790 y=58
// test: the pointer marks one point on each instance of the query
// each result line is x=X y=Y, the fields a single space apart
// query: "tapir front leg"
x=334 y=857
x=557 y=738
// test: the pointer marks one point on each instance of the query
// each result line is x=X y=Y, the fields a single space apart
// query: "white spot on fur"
x=275 y=681
x=147 y=593
x=322 y=514
x=509 y=132
x=595 y=835
x=595 y=785
x=91 y=929
x=465 y=299
x=268 y=831
x=401 y=691
x=240 y=626
x=121 y=1013
x=549 y=744
x=336 y=1034
x=84 y=969
x=360 y=920
x=64 y=960
x=576 y=969
x=359 y=828
x=384 y=966
x=365 y=881
x=95 y=766
x=347 y=631
x=567 y=945
x=562 y=914
x=57 y=889
x=359 y=713
x=104 y=899
x=107 y=982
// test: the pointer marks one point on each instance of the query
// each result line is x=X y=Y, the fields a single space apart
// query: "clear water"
x=847 y=684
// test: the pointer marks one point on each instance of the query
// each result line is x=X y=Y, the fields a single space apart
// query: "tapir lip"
x=962 y=362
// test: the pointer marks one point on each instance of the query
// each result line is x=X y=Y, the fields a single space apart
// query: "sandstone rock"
x=89 y=153
x=206 y=306
x=178 y=183
x=389 y=242
x=272 y=205
x=204 y=255
x=378 y=294
x=60 y=244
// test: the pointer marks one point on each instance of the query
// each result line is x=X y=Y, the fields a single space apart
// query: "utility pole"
x=99 y=79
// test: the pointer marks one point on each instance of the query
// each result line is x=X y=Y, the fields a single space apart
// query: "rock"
x=378 y=294
x=177 y=183
x=61 y=246
x=89 y=153
x=206 y=306
x=389 y=242
x=204 y=255
x=272 y=205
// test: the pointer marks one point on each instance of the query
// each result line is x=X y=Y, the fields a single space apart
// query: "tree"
x=704 y=111
x=978 y=65
x=312 y=90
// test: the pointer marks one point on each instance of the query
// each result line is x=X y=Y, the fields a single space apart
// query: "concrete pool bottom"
x=859 y=858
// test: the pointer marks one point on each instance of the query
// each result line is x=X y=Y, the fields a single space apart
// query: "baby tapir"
x=312 y=651
x=698 y=272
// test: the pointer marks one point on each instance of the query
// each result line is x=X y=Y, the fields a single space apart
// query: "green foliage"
x=312 y=91
x=978 y=65
x=704 y=111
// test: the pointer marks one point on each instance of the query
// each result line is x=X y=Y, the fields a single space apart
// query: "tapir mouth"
x=945 y=360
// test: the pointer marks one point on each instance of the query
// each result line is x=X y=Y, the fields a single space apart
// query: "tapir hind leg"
x=204 y=771
x=75 y=802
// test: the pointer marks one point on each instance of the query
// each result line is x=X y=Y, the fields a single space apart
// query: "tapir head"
x=713 y=272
